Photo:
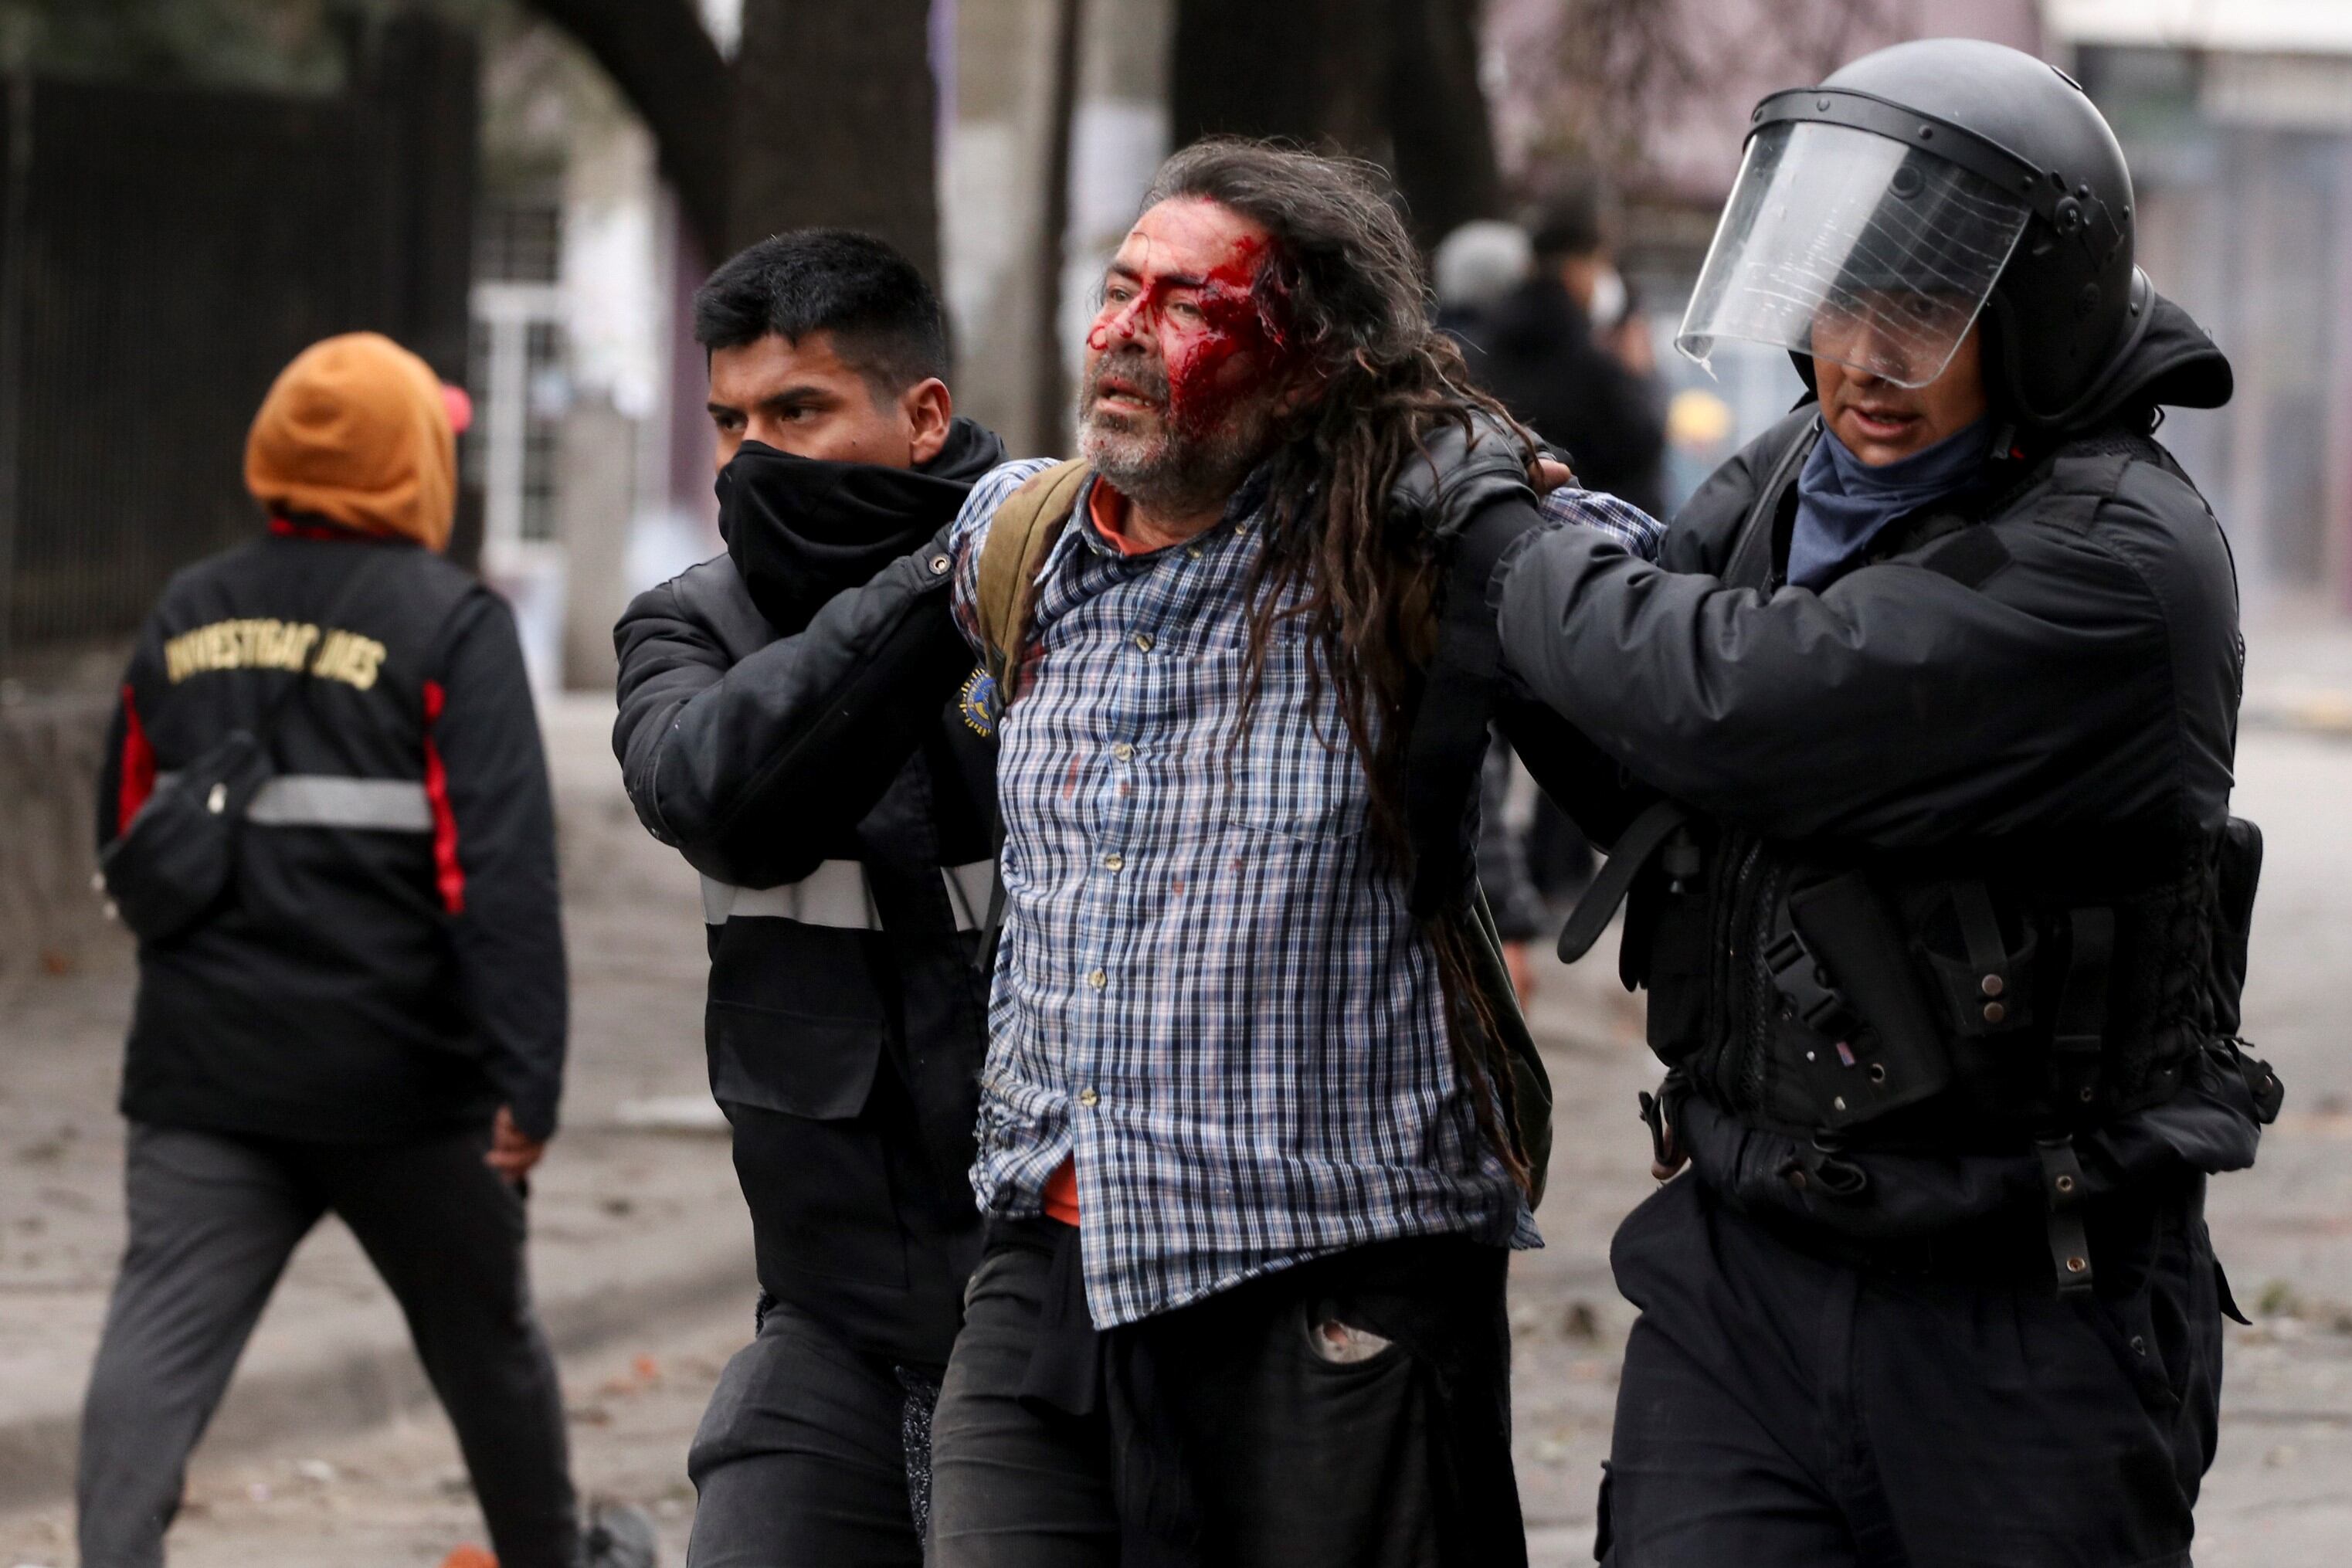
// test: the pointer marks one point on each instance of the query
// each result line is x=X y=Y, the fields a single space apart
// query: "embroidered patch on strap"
x=977 y=702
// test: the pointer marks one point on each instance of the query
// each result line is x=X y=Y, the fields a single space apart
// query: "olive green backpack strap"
x=1020 y=533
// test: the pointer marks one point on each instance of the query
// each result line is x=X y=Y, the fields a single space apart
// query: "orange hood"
x=356 y=430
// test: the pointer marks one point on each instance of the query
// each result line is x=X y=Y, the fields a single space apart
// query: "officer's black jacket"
x=357 y=984
x=2068 y=663
x=847 y=1060
x=2090 y=675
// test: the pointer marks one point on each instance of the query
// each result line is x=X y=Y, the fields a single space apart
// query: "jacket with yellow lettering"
x=389 y=958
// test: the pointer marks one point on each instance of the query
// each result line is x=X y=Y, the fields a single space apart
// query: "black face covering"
x=800 y=531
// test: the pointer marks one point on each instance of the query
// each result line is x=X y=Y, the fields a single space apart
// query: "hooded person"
x=359 y=432
x=791 y=720
x=1924 y=719
x=368 y=1017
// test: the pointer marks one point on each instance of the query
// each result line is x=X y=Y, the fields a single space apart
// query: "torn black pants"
x=812 y=1452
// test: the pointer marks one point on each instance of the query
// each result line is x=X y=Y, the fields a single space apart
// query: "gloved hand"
x=1464 y=471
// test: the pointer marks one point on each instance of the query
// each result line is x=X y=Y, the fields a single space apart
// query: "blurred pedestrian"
x=361 y=1010
x=789 y=720
x=1476 y=268
x=1570 y=355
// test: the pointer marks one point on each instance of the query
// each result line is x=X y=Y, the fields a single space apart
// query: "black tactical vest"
x=1995 y=997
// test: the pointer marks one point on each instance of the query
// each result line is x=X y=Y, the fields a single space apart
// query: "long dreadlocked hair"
x=1342 y=291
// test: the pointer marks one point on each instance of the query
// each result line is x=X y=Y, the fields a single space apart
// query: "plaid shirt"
x=1208 y=986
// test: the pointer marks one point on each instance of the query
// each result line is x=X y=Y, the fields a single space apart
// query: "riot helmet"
x=1877 y=216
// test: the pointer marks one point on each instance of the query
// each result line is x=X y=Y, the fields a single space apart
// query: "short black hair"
x=1574 y=222
x=884 y=316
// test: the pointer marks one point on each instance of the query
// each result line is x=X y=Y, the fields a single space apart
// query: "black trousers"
x=806 y=1454
x=1352 y=1412
x=214 y=1219
x=1779 y=1409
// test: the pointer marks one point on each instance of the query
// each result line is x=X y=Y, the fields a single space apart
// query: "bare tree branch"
x=1624 y=68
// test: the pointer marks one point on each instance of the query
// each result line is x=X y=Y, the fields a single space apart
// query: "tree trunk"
x=1394 y=82
x=833 y=122
x=1312 y=71
x=1049 y=382
x=659 y=55
x=1444 y=141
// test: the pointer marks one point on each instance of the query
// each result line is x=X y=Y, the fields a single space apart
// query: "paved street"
x=627 y=1202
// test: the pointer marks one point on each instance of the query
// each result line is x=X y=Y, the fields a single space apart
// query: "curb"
x=367 y=1385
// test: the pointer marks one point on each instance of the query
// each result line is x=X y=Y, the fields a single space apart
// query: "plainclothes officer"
x=370 y=1017
x=1934 y=692
x=791 y=719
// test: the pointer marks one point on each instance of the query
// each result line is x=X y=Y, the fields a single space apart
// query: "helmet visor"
x=1854 y=248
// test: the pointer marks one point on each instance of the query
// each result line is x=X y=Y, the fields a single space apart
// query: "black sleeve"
x=750 y=770
x=1627 y=422
x=506 y=924
x=1511 y=895
x=1581 y=779
x=1900 y=705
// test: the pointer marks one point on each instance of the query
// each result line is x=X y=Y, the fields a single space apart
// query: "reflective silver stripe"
x=834 y=894
x=968 y=888
x=831 y=895
x=328 y=800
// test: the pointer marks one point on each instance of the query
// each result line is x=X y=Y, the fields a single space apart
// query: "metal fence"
x=162 y=254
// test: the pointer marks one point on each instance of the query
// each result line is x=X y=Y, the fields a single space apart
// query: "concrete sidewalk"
x=2298 y=670
x=630 y=1225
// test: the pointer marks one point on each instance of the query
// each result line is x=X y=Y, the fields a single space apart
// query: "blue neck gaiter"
x=1843 y=501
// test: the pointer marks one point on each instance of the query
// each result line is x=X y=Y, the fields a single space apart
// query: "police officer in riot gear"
x=1921 y=730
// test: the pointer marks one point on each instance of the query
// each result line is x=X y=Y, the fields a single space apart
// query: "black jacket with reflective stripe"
x=390 y=959
x=836 y=798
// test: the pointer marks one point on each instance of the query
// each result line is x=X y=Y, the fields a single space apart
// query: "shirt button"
x=1193 y=551
x=1122 y=750
x=1114 y=861
x=1089 y=1098
x=1143 y=642
x=1098 y=979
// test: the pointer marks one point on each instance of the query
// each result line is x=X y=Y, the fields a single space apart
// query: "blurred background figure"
x=1568 y=353
x=1476 y=268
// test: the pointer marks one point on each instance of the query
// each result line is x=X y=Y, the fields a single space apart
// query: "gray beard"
x=1170 y=474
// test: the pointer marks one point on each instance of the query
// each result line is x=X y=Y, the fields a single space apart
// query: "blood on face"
x=1238 y=315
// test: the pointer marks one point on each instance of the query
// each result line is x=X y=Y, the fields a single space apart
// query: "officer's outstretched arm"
x=1903 y=704
x=751 y=770
x=495 y=856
